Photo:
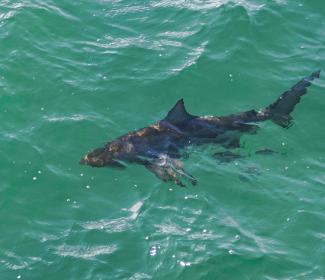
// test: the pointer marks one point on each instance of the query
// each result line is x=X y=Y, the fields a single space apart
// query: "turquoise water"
x=75 y=74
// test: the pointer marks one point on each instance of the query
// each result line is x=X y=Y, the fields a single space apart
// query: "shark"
x=158 y=147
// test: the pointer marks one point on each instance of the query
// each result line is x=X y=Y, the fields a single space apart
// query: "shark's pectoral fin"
x=165 y=173
x=169 y=170
x=178 y=167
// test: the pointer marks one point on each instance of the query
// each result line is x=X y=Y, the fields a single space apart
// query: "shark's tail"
x=279 y=111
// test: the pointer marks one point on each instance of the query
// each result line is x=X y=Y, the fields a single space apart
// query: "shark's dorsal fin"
x=178 y=114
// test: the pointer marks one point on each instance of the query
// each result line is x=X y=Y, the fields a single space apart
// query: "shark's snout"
x=101 y=157
x=95 y=158
x=84 y=160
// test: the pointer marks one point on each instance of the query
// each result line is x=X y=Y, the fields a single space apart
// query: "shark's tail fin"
x=279 y=111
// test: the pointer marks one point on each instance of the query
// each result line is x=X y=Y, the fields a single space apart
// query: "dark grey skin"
x=158 y=146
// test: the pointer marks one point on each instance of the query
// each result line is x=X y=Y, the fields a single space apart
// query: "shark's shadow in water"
x=158 y=146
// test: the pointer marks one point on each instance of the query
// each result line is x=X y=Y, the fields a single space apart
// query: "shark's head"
x=101 y=157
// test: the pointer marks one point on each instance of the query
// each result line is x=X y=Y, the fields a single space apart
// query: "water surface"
x=75 y=74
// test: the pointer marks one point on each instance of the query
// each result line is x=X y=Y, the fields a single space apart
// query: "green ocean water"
x=76 y=74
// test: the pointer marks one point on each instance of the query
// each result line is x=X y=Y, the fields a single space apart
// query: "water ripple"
x=191 y=5
x=116 y=225
x=75 y=117
x=192 y=58
x=140 y=276
x=7 y=15
x=122 y=10
x=177 y=34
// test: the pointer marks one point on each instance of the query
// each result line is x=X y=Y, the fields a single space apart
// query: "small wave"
x=248 y=5
x=5 y=18
x=111 y=225
x=59 y=171
x=145 y=42
x=86 y=252
x=75 y=117
x=51 y=8
x=138 y=276
x=264 y=245
x=135 y=210
x=192 y=58
x=177 y=34
x=116 y=225
x=170 y=229
x=207 y=5
x=128 y=10
x=190 y=5
x=17 y=262
x=109 y=42
x=8 y=15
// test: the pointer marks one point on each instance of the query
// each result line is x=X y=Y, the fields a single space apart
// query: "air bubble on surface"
x=182 y=263
x=153 y=251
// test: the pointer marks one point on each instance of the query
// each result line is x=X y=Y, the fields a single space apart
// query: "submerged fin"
x=266 y=151
x=227 y=156
x=178 y=114
x=279 y=111
x=232 y=143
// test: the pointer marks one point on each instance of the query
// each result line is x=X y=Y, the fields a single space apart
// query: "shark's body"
x=158 y=146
